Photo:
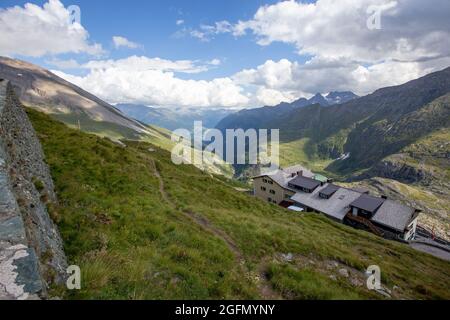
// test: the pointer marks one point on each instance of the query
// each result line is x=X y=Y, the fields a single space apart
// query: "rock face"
x=31 y=250
x=395 y=168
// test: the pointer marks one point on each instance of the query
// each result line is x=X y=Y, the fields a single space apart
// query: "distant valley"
x=174 y=118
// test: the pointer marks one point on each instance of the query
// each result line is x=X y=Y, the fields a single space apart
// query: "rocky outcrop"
x=397 y=169
x=31 y=250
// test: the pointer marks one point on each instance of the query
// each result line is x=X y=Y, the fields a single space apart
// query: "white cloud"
x=344 y=54
x=179 y=22
x=142 y=63
x=409 y=30
x=124 y=42
x=215 y=62
x=271 y=97
x=286 y=81
x=36 y=31
x=207 y=32
x=272 y=75
x=153 y=82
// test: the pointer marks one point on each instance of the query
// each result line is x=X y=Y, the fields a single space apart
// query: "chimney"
x=300 y=173
x=292 y=174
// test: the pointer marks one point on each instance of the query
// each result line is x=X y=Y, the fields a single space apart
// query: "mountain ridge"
x=39 y=88
x=327 y=128
x=259 y=116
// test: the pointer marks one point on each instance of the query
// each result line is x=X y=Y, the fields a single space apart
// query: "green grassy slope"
x=142 y=228
x=157 y=136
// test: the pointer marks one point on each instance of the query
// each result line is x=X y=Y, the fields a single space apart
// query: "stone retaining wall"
x=31 y=251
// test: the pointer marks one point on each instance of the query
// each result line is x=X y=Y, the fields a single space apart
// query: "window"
x=269 y=199
x=274 y=201
x=270 y=182
x=265 y=180
x=263 y=188
x=272 y=191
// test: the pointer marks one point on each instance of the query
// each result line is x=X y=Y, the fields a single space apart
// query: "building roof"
x=304 y=182
x=394 y=215
x=367 y=203
x=337 y=206
x=387 y=213
x=298 y=168
x=329 y=190
x=283 y=176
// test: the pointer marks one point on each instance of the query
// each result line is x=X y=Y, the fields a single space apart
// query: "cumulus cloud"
x=272 y=97
x=153 y=82
x=409 y=31
x=341 y=52
x=344 y=53
x=124 y=42
x=36 y=31
x=271 y=74
x=283 y=80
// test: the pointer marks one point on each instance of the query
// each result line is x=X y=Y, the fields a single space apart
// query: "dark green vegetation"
x=142 y=228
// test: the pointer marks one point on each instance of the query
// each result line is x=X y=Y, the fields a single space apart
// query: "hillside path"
x=265 y=289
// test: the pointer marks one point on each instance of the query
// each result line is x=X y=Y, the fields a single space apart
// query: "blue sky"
x=153 y=24
x=234 y=53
